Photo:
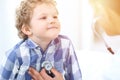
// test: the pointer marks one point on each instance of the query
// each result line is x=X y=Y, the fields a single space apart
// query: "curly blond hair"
x=24 y=13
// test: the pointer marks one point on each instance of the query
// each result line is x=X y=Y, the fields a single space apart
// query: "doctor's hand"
x=42 y=75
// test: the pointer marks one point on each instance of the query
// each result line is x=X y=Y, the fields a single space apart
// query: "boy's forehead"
x=42 y=8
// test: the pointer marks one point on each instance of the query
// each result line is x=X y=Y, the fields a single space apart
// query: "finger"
x=54 y=71
x=44 y=75
x=34 y=74
x=58 y=75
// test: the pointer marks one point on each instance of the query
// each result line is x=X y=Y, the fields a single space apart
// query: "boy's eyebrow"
x=42 y=14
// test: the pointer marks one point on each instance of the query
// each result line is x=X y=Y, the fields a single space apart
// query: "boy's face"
x=44 y=22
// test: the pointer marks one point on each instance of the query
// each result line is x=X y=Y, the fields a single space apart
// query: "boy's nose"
x=51 y=20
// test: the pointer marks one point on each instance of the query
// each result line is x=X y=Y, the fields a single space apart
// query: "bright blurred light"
x=87 y=17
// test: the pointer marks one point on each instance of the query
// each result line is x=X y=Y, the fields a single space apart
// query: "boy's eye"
x=55 y=17
x=44 y=17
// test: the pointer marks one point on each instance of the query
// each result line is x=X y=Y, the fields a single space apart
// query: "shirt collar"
x=31 y=44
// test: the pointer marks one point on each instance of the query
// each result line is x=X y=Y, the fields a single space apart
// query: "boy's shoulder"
x=15 y=48
x=13 y=52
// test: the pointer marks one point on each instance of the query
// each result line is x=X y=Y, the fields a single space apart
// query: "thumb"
x=54 y=71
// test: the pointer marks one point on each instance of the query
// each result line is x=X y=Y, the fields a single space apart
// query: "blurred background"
x=77 y=20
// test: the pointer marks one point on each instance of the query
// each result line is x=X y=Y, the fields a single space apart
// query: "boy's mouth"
x=53 y=27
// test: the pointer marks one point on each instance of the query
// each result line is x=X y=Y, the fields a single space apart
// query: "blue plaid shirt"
x=60 y=53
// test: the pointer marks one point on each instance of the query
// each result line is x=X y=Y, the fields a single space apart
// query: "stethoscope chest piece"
x=48 y=66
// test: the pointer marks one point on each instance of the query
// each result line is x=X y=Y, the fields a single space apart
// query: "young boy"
x=38 y=25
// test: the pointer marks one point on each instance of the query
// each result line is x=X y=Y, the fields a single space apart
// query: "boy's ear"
x=26 y=30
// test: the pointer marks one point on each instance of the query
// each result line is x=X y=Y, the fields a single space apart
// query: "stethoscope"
x=48 y=66
x=98 y=34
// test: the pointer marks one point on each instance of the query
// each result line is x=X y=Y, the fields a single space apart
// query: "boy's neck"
x=42 y=43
